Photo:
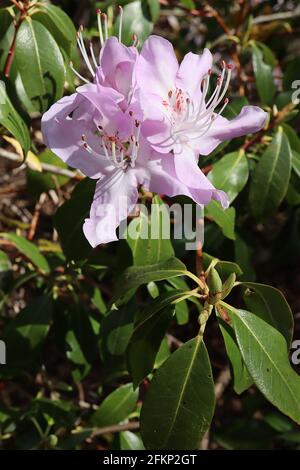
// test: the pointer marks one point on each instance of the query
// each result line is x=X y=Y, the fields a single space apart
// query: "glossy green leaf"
x=224 y=218
x=136 y=20
x=130 y=441
x=270 y=305
x=70 y=217
x=240 y=375
x=263 y=75
x=145 y=342
x=224 y=268
x=28 y=249
x=135 y=276
x=116 y=407
x=12 y=121
x=179 y=403
x=58 y=23
x=147 y=238
x=148 y=335
x=151 y=9
x=292 y=136
x=44 y=80
x=230 y=174
x=265 y=353
x=271 y=177
x=296 y=162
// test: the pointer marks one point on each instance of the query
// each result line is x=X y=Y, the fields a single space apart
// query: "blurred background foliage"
x=66 y=379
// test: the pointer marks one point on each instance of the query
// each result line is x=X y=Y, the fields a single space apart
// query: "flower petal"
x=117 y=65
x=62 y=134
x=157 y=66
x=164 y=180
x=115 y=196
x=191 y=72
x=251 y=119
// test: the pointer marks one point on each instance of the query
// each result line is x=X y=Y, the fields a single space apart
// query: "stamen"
x=82 y=48
x=77 y=73
x=120 y=22
x=135 y=40
x=100 y=26
x=104 y=16
x=93 y=54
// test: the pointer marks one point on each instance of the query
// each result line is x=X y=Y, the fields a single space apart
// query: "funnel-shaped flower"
x=179 y=115
x=90 y=131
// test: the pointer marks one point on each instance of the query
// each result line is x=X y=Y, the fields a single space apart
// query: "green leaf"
x=270 y=305
x=134 y=22
x=116 y=330
x=5 y=264
x=145 y=342
x=241 y=377
x=28 y=249
x=265 y=353
x=58 y=23
x=116 y=407
x=25 y=335
x=146 y=236
x=271 y=177
x=292 y=136
x=296 y=162
x=151 y=9
x=263 y=75
x=230 y=174
x=179 y=403
x=268 y=54
x=190 y=4
x=224 y=218
x=44 y=80
x=224 y=268
x=70 y=217
x=130 y=441
x=135 y=276
x=148 y=335
x=12 y=121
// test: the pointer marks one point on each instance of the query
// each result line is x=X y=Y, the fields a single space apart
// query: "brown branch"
x=17 y=5
x=36 y=216
x=12 y=50
x=221 y=384
x=45 y=166
x=215 y=14
x=132 y=426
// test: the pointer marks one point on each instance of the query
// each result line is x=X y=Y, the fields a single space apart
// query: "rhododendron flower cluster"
x=142 y=121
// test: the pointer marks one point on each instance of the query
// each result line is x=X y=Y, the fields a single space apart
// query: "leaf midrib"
x=185 y=382
x=270 y=359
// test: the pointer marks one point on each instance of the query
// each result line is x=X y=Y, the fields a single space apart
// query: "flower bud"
x=228 y=285
x=214 y=283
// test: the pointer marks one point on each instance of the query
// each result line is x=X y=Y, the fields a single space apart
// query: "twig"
x=215 y=14
x=36 y=216
x=174 y=340
x=132 y=425
x=45 y=166
x=287 y=15
x=220 y=386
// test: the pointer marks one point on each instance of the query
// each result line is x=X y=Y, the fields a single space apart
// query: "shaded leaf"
x=180 y=401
